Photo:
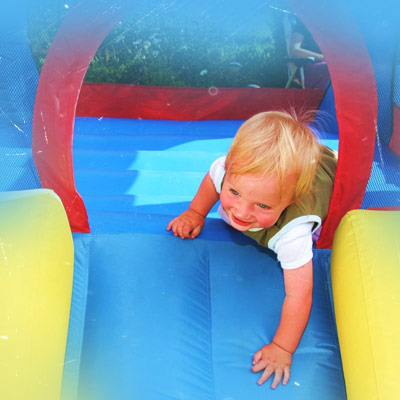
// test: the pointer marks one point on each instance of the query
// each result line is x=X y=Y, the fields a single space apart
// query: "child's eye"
x=263 y=206
x=234 y=192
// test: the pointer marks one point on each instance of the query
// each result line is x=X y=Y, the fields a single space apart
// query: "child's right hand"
x=188 y=225
x=273 y=360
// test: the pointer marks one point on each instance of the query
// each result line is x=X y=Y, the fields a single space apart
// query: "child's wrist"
x=281 y=347
x=196 y=212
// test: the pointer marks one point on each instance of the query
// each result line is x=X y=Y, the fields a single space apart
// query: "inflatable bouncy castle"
x=98 y=300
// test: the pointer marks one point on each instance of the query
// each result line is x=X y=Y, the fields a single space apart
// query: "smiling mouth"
x=240 y=222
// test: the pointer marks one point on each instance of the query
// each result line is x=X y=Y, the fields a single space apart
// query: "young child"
x=274 y=185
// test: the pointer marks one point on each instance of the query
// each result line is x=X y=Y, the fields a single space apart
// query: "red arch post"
x=337 y=33
x=85 y=27
x=82 y=31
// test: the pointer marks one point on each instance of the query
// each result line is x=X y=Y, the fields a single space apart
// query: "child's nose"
x=243 y=211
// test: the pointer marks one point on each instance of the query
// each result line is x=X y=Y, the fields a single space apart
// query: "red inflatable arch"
x=74 y=46
x=353 y=81
x=86 y=26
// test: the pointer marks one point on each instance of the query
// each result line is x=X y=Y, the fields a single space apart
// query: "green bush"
x=172 y=44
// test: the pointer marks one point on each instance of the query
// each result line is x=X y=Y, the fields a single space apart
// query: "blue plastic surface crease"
x=173 y=319
x=77 y=317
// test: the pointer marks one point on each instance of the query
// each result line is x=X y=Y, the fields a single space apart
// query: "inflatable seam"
x=359 y=252
x=210 y=319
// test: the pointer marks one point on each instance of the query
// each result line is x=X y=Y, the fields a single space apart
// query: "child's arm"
x=276 y=357
x=190 y=223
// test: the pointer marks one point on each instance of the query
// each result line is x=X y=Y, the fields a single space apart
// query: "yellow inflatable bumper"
x=365 y=272
x=36 y=269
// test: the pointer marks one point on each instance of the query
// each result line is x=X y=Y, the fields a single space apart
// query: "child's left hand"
x=273 y=360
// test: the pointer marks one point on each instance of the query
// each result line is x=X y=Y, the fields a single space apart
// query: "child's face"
x=253 y=201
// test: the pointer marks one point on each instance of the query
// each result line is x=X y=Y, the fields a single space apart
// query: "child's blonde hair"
x=276 y=144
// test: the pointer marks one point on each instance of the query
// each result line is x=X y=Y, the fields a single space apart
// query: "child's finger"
x=257 y=357
x=195 y=232
x=266 y=375
x=174 y=229
x=185 y=231
x=171 y=224
x=277 y=378
x=286 y=375
x=178 y=231
x=258 y=366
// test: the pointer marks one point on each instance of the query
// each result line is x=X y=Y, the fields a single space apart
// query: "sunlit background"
x=181 y=43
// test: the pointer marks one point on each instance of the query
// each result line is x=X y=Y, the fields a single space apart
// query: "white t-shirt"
x=293 y=244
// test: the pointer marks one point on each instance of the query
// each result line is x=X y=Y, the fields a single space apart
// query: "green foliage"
x=165 y=44
x=44 y=18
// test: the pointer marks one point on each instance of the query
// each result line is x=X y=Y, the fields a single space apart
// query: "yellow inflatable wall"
x=365 y=272
x=36 y=269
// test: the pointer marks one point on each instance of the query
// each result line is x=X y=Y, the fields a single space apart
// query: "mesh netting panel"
x=380 y=29
x=396 y=82
x=383 y=188
x=383 y=76
x=18 y=82
x=384 y=184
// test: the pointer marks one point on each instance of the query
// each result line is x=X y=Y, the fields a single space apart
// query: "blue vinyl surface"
x=136 y=175
x=155 y=317
x=173 y=319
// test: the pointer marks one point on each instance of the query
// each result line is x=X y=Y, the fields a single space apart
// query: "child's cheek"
x=226 y=202
x=267 y=220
